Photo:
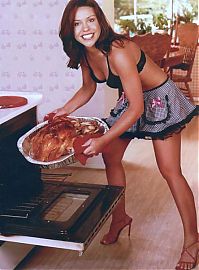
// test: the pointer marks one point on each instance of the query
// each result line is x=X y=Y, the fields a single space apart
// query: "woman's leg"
x=167 y=154
x=116 y=177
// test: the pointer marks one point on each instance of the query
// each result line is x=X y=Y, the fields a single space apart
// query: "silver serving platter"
x=62 y=161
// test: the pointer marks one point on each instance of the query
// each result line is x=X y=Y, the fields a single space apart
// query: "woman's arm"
x=82 y=96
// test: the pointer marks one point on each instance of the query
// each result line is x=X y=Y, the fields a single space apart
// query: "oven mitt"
x=79 y=148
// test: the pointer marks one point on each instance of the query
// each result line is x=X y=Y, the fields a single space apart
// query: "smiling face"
x=86 y=27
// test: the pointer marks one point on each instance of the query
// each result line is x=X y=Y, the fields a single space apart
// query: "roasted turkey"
x=55 y=139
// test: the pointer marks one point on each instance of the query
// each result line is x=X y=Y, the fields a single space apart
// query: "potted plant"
x=186 y=17
x=142 y=28
x=161 y=22
x=128 y=26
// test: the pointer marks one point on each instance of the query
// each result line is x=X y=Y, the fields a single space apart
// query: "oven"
x=45 y=213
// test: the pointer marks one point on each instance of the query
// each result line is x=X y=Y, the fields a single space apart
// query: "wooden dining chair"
x=156 y=46
x=188 y=40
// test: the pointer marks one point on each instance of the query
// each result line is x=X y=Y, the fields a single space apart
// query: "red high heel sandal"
x=109 y=238
x=191 y=264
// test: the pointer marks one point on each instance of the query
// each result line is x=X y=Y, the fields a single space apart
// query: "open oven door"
x=62 y=215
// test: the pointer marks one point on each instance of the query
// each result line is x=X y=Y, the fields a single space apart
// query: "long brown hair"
x=74 y=49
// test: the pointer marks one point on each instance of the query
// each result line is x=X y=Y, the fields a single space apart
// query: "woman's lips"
x=87 y=36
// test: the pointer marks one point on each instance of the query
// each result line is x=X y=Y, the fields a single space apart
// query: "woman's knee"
x=114 y=152
x=170 y=173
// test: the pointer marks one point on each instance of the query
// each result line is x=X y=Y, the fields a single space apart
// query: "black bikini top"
x=113 y=80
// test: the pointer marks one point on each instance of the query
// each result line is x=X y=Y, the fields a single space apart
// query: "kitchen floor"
x=156 y=236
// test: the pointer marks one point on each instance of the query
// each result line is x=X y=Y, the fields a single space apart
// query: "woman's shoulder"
x=124 y=45
x=128 y=50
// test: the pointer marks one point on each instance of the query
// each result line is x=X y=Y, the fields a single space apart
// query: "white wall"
x=32 y=58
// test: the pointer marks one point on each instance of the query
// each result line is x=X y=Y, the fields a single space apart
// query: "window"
x=141 y=16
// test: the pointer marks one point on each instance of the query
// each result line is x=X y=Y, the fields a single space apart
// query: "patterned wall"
x=31 y=55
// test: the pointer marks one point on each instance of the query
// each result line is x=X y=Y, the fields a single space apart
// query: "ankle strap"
x=185 y=248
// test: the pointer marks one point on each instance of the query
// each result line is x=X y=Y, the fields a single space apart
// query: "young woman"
x=150 y=106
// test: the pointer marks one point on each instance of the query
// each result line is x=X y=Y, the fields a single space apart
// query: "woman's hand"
x=60 y=111
x=53 y=114
x=94 y=146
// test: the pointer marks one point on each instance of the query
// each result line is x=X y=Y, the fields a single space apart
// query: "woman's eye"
x=76 y=24
x=92 y=20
